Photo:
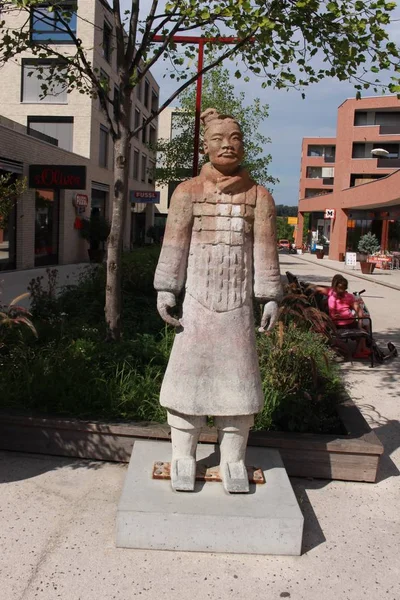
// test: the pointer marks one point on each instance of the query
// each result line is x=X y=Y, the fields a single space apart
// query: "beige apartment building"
x=72 y=130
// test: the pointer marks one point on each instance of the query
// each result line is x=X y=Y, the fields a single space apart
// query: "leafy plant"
x=300 y=381
x=14 y=316
x=368 y=243
x=9 y=193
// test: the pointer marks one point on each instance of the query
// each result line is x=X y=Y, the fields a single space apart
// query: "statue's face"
x=223 y=142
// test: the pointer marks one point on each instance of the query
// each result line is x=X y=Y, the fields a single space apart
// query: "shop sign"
x=329 y=213
x=292 y=220
x=57 y=177
x=81 y=202
x=148 y=197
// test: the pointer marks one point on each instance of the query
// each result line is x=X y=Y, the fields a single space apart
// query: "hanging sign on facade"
x=148 y=197
x=330 y=213
x=57 y=177
x=81 y=202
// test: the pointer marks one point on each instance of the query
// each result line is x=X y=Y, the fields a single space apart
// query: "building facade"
x=75 y=123
x=349 y=184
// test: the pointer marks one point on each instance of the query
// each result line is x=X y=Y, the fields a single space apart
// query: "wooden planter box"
x=351 y=457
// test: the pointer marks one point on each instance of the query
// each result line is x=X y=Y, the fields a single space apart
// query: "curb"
x=338 y=270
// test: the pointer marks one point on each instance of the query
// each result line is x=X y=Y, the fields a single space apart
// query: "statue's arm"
x=170 y=273
x=267 y=279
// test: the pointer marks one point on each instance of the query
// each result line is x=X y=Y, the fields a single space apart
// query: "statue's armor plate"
x=219 y=274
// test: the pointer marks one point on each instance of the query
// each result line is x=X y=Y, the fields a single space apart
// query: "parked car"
x=284 y=244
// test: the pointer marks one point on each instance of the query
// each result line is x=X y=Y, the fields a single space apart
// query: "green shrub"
x=70 y=370
x=301 y=383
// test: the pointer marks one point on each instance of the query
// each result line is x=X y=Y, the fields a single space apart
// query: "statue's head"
x=223 y=141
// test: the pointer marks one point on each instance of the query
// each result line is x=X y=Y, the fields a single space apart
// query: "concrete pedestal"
x=151 y=515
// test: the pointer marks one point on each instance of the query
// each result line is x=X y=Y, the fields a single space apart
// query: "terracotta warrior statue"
x=220 y=251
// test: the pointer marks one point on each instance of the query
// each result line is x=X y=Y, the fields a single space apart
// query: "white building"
x=74 y=123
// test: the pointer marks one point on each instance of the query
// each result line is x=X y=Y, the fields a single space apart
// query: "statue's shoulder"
x=189 y=187
x=264 y=196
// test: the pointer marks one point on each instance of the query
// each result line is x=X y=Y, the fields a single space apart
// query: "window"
x=144 y=167
x=54 y=130
x=152 y=138
x=154 y=101
x=107 y=49
x=387 y=118
x=151 y=172
x=55 y=25
x=137 y=122
x=328 y=152
x=317 y=172
x=104 y=80
x=147 y=97
x=103 y=147
x=35 y=74
x=144 y=131
x=136 y=164
x=360 y=118
x=98 y=202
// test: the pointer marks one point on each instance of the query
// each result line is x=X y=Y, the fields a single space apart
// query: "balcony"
x=388 y=163
x=389 y=129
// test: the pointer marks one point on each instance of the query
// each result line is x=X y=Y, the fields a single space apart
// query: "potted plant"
x=321 y=242
x=368 y=245
x=95 y=231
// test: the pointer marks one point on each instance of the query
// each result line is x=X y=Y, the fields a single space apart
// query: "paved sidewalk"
x=57 y=516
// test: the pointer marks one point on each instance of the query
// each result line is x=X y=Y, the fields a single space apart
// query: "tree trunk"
x=113 y=304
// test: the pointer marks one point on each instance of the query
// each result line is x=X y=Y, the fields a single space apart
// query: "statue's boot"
x=183 y=464
x=185 y=433
x=233 y=433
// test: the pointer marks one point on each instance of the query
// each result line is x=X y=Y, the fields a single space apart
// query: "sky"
x=290 y=117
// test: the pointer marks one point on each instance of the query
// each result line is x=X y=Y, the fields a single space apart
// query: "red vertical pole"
x=198 y=110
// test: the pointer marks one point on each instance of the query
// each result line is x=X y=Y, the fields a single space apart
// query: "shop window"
x=46 y=227
x=54 y=25
x=8 y=234
x=54 y=130
x=35 y=74
x=98 y=203
x=107 y=34
x=103 y=147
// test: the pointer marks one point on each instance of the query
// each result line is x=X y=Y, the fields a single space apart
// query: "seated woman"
x=343 y=307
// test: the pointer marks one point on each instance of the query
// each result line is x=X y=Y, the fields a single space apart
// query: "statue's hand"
x=166 y=301
x=270 y=316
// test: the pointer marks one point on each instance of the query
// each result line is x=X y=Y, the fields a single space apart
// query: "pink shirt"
x=340 y=308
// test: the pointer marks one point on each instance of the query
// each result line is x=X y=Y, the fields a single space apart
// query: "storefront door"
x=47 y=214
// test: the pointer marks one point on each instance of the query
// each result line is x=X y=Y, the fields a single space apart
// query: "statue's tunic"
x=220 y=244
